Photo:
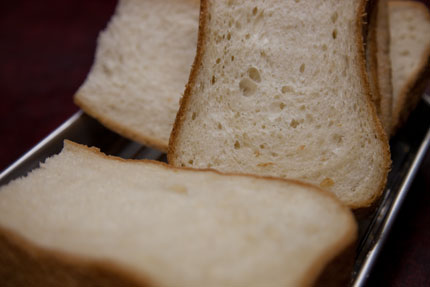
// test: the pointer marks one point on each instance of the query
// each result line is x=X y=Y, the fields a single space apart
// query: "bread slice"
x=410 y=55
x=379 y=64
x=142 y=64
x=94 y=219
x=280 y=89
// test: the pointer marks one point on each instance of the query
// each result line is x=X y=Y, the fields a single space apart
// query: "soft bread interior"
x=410 y=55
x=281 y=90
x=177 y=227
x=142 y=63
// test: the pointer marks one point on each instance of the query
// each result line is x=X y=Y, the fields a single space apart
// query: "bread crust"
x=416 y=84
x=24 y=263
x=378 y=63
x=118 y=127
x=382 y=137
x=195 y=68
x=359 y=36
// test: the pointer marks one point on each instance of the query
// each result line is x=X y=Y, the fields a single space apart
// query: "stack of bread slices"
x=282 y=129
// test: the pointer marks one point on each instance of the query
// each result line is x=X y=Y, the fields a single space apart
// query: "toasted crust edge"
x=359 y=35
x=416 y=84
x=382 y=102
x=23 y=263
x=382 y=136
x=49 y=267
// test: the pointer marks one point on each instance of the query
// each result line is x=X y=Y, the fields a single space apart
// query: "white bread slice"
x=379 y=64
x=280 y=89
x=142 y=64
x=85 y=216
x=410 y=55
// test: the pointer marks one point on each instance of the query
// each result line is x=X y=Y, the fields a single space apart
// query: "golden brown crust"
x=119 y=128
x=415 y=86
x=380 y=133
x=378 y=63
x=183 y=105
x=22 y=263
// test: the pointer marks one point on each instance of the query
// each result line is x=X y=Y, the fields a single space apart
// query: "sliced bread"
x=280 y=89
x=379 y=64
x=410 y=55
x=142 y=64
x=86 y=219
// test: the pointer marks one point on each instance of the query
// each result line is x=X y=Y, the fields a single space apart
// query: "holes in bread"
x=228 y=36
x=405 y=53
x=247 y=87
x=337 y=138
x=190 y=161
x=334 y=34
x=294 y=123
x=232 y=58
x=213 y=80
x=247 y=36
x=334 y=17
x=194 y=115
x=254 y=11
x=254 y=74
x=324 y=47
x=238 y=25
x=219 y=126
x=236 y=145
x=281 y=106
x=287 y=89
x=218 y=60
x=302 y=68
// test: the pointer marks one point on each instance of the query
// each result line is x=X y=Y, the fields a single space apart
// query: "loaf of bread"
x=379 y=64
x=410 y=55
x=86 y=219
x=280 y=89
x=142 y=64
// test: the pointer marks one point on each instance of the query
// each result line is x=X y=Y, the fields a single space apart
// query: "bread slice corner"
x=141 y=66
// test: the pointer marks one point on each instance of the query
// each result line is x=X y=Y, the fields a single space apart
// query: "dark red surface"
x=46 y=50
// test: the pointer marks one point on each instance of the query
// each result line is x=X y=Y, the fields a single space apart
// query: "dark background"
x=46 y=51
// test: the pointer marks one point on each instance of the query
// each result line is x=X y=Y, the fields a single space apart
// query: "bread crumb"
x=179 y=189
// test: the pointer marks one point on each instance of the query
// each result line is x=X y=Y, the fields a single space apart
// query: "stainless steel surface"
x=408 y=148
x=385 y=224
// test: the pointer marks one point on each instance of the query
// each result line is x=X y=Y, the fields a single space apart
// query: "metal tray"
x=408 y=149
